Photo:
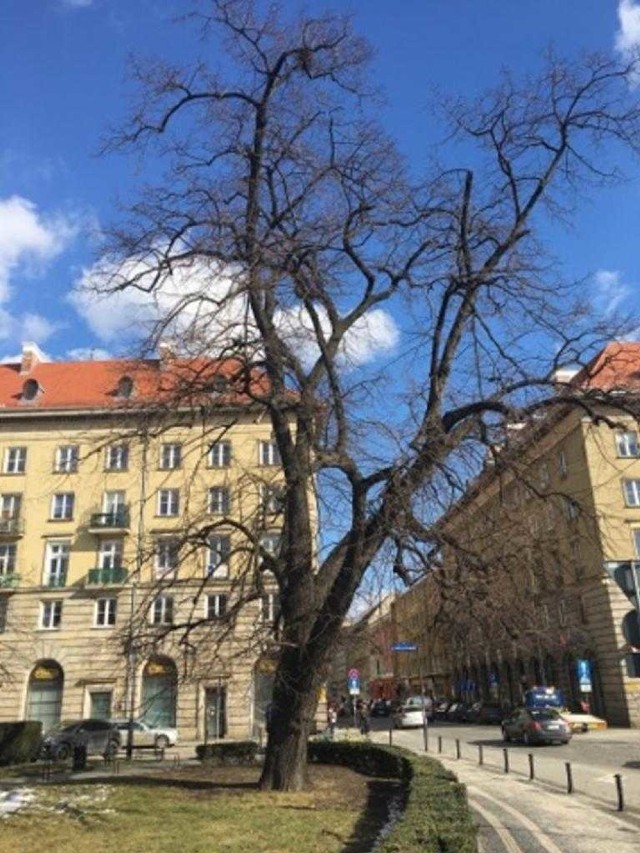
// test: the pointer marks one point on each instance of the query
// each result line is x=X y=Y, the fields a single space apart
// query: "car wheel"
x=162 y=742
x=63 y=752
x=506 y=737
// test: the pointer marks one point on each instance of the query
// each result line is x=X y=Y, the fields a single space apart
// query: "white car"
x=410 y=714
x=146 y=735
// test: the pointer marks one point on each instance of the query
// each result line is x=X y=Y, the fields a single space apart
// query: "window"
x=7 y=558
x=270 y=607
x=636 y=540
x=562 y=613
x=631 y=492
x=627 y=443
x=67 y=458
x=15 y=460
x=10 y=506
x=220 y=454
x=543 y=476
x=170 y=456
x=270 y=542
x=125 y=388
x=216 y=607
x=62 y=506
x=114 y=508
x=269 y=453
x=162 y=613
x=218 y=554
x=50 y=614
x=168 y=502
x=105 y=613
x=30 y=390
x=219 y=501
x=56 y=563
x=272 y=499
x=110 y=554
x=563 y=468
x=166 y=556
x=117 y=458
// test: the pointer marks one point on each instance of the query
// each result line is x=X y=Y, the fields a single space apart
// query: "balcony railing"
x=9 y=581
x=11 y=527
x=55 y=580
x=117 y=519
x=107 y=577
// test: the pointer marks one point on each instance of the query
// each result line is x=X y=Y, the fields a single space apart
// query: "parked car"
x=409 y=714
x=485 y=713
x=440 y=708
x=381 y=708
x=457 y=712
x=100 y=737
x=536 y=725
x=145 y=735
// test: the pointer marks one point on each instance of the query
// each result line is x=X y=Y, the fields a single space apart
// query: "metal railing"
x=107 y=576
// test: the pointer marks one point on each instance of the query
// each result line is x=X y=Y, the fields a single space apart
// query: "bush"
x=232 y=752
x=19 y=742
x=436 y=817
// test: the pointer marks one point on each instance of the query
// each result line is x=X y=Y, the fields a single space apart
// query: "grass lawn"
x=193 y=809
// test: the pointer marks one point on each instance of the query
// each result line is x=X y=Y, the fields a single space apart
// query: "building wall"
x=93 y=658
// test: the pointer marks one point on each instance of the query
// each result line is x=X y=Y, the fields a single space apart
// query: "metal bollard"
x=567 y=766
x=439 y=743
x=458 y=748
x=619 y=791
x=505 y=754
x=480 y=755
x=391 y=733
x=532 y=774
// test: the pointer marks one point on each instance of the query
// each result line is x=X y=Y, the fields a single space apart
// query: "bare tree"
x=303 y=228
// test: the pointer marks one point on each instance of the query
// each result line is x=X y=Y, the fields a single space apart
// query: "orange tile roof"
x=616 y=367
x=94 y=384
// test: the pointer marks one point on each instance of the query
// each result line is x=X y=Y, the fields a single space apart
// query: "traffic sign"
x=404 y=647
x=354 y=673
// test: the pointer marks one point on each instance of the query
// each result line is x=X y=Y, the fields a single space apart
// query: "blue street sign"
x=404 y=647
x=583 y=667
x=353 y=685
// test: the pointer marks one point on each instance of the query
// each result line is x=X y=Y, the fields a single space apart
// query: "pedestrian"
x=332 y=719
x=363 y=719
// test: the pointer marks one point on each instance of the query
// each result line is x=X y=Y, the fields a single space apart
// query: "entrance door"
x=44 y=702
x=215 y=713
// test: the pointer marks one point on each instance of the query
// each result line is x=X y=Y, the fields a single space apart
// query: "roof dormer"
x=31 y=390
x=31 y=356
x=125 y=388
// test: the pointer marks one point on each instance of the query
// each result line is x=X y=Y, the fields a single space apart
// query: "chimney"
x=31 y=356
x=165 y=352
x=562 y=378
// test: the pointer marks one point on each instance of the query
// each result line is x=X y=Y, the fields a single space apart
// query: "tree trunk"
x=291 y=717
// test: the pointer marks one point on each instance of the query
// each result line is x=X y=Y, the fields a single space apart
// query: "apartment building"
x=539 y=582
x=139 y=505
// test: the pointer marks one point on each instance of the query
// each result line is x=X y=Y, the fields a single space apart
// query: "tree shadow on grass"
x=386 y=798
x=164 y=782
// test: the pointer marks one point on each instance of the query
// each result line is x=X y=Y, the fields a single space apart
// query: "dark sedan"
x=98 y=737
x=535 y=726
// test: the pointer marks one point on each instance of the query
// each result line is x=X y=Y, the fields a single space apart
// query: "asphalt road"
x=515 y=814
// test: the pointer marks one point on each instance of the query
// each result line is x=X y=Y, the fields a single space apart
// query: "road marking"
x=502 y=832
x=541 y=837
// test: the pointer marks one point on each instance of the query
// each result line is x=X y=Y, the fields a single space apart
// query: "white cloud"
x=207 y=305
x=610 y=291
x=27 y=239
x=88 y=354
x=628 y=35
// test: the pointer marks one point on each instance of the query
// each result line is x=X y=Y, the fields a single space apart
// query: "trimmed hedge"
x=19 y=742
x=436 y=818
x=231 y=752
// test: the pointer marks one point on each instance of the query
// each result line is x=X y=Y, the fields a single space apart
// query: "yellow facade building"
x=537 y=581
x=139 y=504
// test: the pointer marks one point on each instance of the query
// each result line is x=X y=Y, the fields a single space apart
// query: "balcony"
x=11 y=528
x=9 y=582
x=55 y=581
x=112 y=576
x=115 y=521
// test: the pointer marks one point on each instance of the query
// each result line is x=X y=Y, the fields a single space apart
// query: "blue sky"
x=65 y=67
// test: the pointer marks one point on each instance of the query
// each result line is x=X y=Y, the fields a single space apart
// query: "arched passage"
x=159 y=692
x=44 y=698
